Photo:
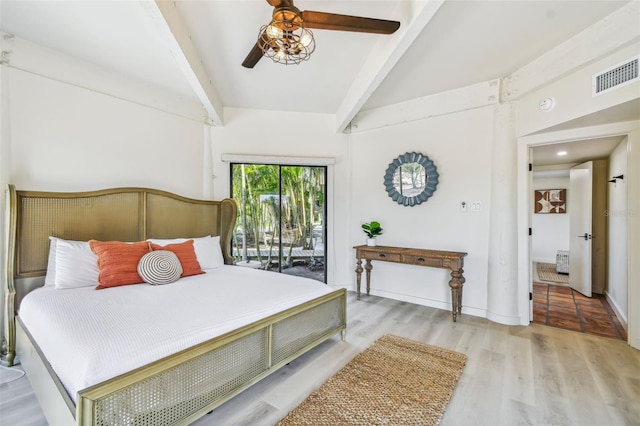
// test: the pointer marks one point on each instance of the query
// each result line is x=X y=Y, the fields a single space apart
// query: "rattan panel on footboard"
x=297 y=332
x=182 y=391
x=181 y=388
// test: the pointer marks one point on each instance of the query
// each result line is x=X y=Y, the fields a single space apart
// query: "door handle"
x=586 y=236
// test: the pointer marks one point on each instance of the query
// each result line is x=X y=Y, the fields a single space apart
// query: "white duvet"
x=91 y=335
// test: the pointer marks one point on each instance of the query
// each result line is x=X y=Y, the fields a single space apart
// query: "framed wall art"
x=550 y=201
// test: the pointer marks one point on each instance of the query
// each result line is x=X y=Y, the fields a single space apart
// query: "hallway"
x=562 y=307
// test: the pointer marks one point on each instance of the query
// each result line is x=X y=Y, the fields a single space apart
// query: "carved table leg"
x=457 y=280
x=462 y=281
x=358 y=276
x=368 y=267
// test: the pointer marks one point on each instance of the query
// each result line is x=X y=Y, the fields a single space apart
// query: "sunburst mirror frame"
x=431 y=173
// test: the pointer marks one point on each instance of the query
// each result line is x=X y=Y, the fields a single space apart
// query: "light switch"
x=476 y=206
x=463 y=207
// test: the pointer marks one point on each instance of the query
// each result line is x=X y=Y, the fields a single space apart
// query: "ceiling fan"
x=287 y=39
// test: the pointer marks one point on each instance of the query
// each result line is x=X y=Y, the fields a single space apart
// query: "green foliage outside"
x=263 y=222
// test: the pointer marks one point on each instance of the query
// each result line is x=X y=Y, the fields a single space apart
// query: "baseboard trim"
x=504 y=319
x=438 y=304
x=622 y=318
x=544 y=260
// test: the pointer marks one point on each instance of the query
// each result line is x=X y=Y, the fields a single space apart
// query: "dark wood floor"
x=562 y=307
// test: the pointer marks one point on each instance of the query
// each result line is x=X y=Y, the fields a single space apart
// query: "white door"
x=579 y=205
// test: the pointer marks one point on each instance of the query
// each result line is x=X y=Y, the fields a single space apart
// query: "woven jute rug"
x=547 y=272
x=395 y=381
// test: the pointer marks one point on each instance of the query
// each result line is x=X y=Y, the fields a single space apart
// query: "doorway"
x=560 y=306
x=569 y=238
x=281 y=224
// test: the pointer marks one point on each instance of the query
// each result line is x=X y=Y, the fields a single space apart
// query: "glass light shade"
x=286 y=42
x=305 y=38
x=273 y=31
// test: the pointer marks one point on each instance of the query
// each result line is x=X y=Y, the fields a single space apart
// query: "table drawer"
x=421 y=260
x=389 y=257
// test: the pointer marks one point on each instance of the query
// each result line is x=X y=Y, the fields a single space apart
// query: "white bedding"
x=91 y=335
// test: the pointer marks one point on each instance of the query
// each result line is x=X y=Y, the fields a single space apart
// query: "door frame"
x=631 y=129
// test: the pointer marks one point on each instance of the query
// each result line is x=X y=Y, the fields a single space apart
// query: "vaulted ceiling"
x=195 y=48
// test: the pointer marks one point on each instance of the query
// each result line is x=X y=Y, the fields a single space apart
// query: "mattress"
x=89 y=335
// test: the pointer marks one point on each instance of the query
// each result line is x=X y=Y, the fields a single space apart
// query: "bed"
x=187 y=365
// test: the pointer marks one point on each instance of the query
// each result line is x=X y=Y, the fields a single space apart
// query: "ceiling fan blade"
x=253 y=57
x=332 y=21
x=277 y=3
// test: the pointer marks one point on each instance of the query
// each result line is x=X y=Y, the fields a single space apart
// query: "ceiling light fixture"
x=285 y=39
x=561 y=153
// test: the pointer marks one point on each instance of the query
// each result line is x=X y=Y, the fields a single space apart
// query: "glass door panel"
x=281 y=223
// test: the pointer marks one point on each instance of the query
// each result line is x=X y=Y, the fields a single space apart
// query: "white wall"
x=66 y=138
x=5 y=165
x=357 y=193
x=274 y=133
x=60 y=137
x=462 y=154
x=550 y=231
x=573 y=96
x=633 y=244
x=618 y=214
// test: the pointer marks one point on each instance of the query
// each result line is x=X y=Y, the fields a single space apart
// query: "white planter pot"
x=371 y=242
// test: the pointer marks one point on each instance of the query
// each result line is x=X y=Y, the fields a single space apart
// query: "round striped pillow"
x=159 y=267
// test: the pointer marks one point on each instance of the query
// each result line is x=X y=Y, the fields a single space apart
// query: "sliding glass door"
x=281 y=224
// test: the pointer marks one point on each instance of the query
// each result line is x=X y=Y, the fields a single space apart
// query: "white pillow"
x=75 y=265
x=50 y=278
x=208 y=251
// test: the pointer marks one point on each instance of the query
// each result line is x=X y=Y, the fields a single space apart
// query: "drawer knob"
x=421 y=259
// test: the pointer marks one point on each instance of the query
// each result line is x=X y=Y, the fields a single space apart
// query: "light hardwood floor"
x=515 y=375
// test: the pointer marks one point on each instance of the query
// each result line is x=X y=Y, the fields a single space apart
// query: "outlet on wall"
x=463 y=206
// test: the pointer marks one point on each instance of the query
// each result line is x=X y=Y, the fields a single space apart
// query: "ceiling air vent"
x=615 y=77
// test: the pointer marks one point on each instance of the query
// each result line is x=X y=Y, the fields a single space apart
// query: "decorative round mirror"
x=411 y=179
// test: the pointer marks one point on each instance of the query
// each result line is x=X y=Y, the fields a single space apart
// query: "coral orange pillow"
x=186 y=254
x=118 y=262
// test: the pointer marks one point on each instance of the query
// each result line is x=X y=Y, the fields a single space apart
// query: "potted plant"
x=372 y=229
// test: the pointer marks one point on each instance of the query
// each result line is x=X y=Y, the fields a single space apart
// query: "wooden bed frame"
x=174 y=390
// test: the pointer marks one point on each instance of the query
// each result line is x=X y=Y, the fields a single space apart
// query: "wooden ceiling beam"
x=414 y=17
x=168 y=21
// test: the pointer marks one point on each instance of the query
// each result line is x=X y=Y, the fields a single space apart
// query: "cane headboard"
x=120 y=214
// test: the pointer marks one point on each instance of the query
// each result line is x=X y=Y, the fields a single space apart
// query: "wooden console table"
x=452 y=260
